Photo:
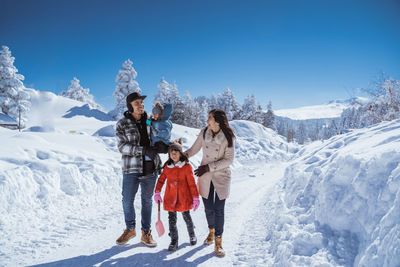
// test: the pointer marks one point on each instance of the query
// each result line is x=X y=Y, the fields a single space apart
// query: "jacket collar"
x=179 y=164
x=219 y=137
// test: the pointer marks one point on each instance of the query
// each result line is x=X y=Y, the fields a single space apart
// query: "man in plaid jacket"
x=140 y=166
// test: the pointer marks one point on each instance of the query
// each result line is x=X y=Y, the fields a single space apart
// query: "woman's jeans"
x=214 y=208
x=130 y=185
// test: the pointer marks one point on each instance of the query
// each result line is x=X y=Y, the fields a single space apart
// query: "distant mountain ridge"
x=333 y=109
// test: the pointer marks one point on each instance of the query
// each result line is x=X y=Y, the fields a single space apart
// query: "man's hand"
x=201 y=170
x=161 y=147
x=150 y=151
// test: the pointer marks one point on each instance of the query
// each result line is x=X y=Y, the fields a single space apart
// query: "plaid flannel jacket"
x=129 y=145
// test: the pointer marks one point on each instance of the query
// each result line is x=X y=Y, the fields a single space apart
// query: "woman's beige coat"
x=219 y=157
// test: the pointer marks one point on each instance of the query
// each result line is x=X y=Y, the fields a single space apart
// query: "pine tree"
x=259 y=115
x=226 y=101
x=330 y=130
x=174 y=93
x=204 y=109
x=203 y=116
x=169 y=94
x=314 y=134
x=389 y=101
x=290 y=135
x=212 y=102
x=178 y=115
x=249 y=108
x=301 y=134
x=191 y=110
x=282 y=127
x=77 y=92
x=14 y=99
x=164 y=92
x=384 y=105
x=126 y=85
x=269 y=118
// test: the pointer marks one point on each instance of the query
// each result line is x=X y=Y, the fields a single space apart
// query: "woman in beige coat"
x=217 y=142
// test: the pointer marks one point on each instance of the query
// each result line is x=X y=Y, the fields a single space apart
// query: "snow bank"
x=108 y=131
x=341 y=201
x=255 y=142
x=45 y=179
x=49 y=173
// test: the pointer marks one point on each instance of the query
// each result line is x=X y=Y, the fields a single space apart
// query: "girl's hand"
x=157 y=197
x=196 y=203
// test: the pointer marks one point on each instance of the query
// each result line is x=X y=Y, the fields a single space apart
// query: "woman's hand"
x=201 y=170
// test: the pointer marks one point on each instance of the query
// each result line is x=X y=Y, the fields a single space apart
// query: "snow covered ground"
x=332 y=203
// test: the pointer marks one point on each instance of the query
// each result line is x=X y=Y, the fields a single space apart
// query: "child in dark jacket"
x=161 y=126
x=178 y=171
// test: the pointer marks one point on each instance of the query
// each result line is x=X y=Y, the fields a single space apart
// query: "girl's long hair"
x=182 y=158
x=220 y=117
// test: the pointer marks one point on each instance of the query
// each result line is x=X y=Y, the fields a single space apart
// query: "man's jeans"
x=130 y=185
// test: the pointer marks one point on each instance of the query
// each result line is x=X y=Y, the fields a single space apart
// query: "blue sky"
x=293 y=53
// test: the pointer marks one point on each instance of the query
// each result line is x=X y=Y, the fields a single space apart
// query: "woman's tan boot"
x=210 y=238
x=219 y=251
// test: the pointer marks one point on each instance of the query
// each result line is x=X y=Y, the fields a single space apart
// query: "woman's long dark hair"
x=220 y=117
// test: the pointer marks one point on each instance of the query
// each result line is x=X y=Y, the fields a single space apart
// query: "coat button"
x=216 y=150
x=207 y=156
x=206 y=146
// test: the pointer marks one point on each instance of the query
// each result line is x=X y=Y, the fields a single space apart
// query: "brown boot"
x=219 y=251
x=126 y=235
x=210 y=238
x=147 y=239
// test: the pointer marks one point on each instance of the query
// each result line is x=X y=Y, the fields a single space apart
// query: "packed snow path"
x=244 y=237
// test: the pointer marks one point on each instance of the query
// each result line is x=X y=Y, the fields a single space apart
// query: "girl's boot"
x=190 y=227
x=173 y=231
x=173 y=246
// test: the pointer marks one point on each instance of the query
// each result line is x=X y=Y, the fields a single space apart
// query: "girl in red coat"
x=180 y=193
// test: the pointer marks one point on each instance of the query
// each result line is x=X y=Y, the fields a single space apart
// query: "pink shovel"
x=159 y=225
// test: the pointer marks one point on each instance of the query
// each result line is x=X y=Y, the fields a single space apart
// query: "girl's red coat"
x=181 y=187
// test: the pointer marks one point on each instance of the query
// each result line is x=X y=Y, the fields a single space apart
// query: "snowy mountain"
x=332 y=203
x=333 y=109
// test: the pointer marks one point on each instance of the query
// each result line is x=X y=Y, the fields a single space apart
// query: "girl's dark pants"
x=173 y=230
